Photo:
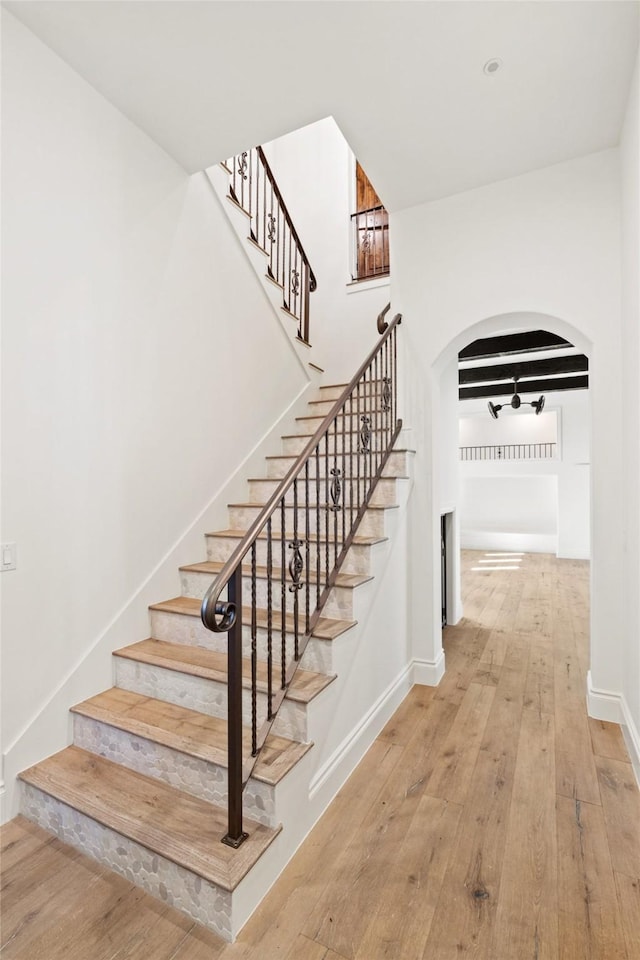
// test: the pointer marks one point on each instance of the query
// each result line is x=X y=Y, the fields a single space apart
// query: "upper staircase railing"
x=253 y=188
x=299 y=540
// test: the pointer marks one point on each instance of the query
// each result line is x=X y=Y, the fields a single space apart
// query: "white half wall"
x=140 y=366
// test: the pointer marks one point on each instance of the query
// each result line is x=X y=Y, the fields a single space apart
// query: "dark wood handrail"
x=211 y=603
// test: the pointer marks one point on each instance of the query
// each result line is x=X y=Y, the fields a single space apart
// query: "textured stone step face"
x=196 y=579
x=397 y=465
x=243 y=515
x=222 y=543
x=161 y=839
x=352 y=491
x=324 y=405
x=196 y=678
x=181 y=747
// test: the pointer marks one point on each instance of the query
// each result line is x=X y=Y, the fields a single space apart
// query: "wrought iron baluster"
x=344 y=478
x=336 y=491
x=254 y=657
x=295 y=570
x=283 y=593
x=269 y=622
x=235 y=834
x=307 y=536
x=326 y=508
x=318 y=587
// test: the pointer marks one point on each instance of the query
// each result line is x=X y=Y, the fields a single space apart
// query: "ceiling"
x=542 y=362
x=404 y=80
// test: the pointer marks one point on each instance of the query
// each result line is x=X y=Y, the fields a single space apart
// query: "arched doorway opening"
x=447 y=501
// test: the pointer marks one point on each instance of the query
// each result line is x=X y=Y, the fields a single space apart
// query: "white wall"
x=483 y=261
x=630 y=413
x=565 y=420
x=315 y=170
x=129 y=394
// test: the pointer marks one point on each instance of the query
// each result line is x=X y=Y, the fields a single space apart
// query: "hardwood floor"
x=491 y=819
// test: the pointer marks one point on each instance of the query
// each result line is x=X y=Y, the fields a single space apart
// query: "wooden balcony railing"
x=370 y=241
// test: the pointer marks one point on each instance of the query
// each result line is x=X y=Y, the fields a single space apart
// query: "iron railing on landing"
x=509 y=451
x=293 y=551
x=253 y=187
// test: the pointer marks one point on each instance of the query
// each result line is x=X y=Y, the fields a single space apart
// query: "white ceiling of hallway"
x=404 y=80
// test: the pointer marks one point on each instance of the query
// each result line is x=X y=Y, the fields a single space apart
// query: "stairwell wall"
x=141 y=364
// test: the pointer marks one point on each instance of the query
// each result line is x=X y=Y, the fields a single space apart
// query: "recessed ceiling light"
x=492 y=66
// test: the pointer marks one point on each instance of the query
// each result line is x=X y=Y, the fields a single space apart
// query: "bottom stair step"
x=158 y=837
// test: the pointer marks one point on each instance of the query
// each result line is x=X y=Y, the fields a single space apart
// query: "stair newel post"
x=235 y=834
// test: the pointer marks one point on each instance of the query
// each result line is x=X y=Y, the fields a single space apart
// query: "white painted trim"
x=631 y=738
x=613 y=707
x=429 y=673
x=367 y=730
x=603 y=704
x=359 y=286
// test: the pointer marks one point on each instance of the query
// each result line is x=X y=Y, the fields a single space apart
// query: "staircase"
x=144 y=788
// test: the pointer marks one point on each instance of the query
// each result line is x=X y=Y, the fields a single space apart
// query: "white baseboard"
x=429 y=673
x=613 y=707
x=361 y=737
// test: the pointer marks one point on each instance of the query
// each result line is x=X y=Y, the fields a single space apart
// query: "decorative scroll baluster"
x=344 y=481
x=254 y=188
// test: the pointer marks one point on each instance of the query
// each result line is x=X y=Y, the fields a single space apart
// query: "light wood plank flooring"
x=491 y=819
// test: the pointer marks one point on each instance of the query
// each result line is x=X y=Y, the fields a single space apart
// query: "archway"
x=444 y=407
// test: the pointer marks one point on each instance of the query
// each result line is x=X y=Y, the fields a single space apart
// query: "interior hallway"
x=490 y=819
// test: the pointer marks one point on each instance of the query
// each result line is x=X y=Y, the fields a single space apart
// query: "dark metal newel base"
x=235 y=842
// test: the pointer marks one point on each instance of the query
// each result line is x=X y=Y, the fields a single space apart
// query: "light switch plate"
x=8 y=556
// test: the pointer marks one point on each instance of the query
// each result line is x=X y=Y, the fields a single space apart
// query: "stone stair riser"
x=323 y=405
x=358 y=559
x=201 y=778
x=384 y=494
x=201 y=900
x=207 y=696
x=396 y=466
x=372 y=524
x=339 y=606
x=182 y=628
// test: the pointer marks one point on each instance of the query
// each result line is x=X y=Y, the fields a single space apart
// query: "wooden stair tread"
x=212 y=665
x=188 y=731
x=292 y=456
x=239 y=534
x=213 y=567
x=172 y=824
x=312 y=506
x=325 y=629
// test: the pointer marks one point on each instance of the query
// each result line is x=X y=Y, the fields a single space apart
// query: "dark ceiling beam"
x=490 y=390
x=505 y=345
x=527 y=368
